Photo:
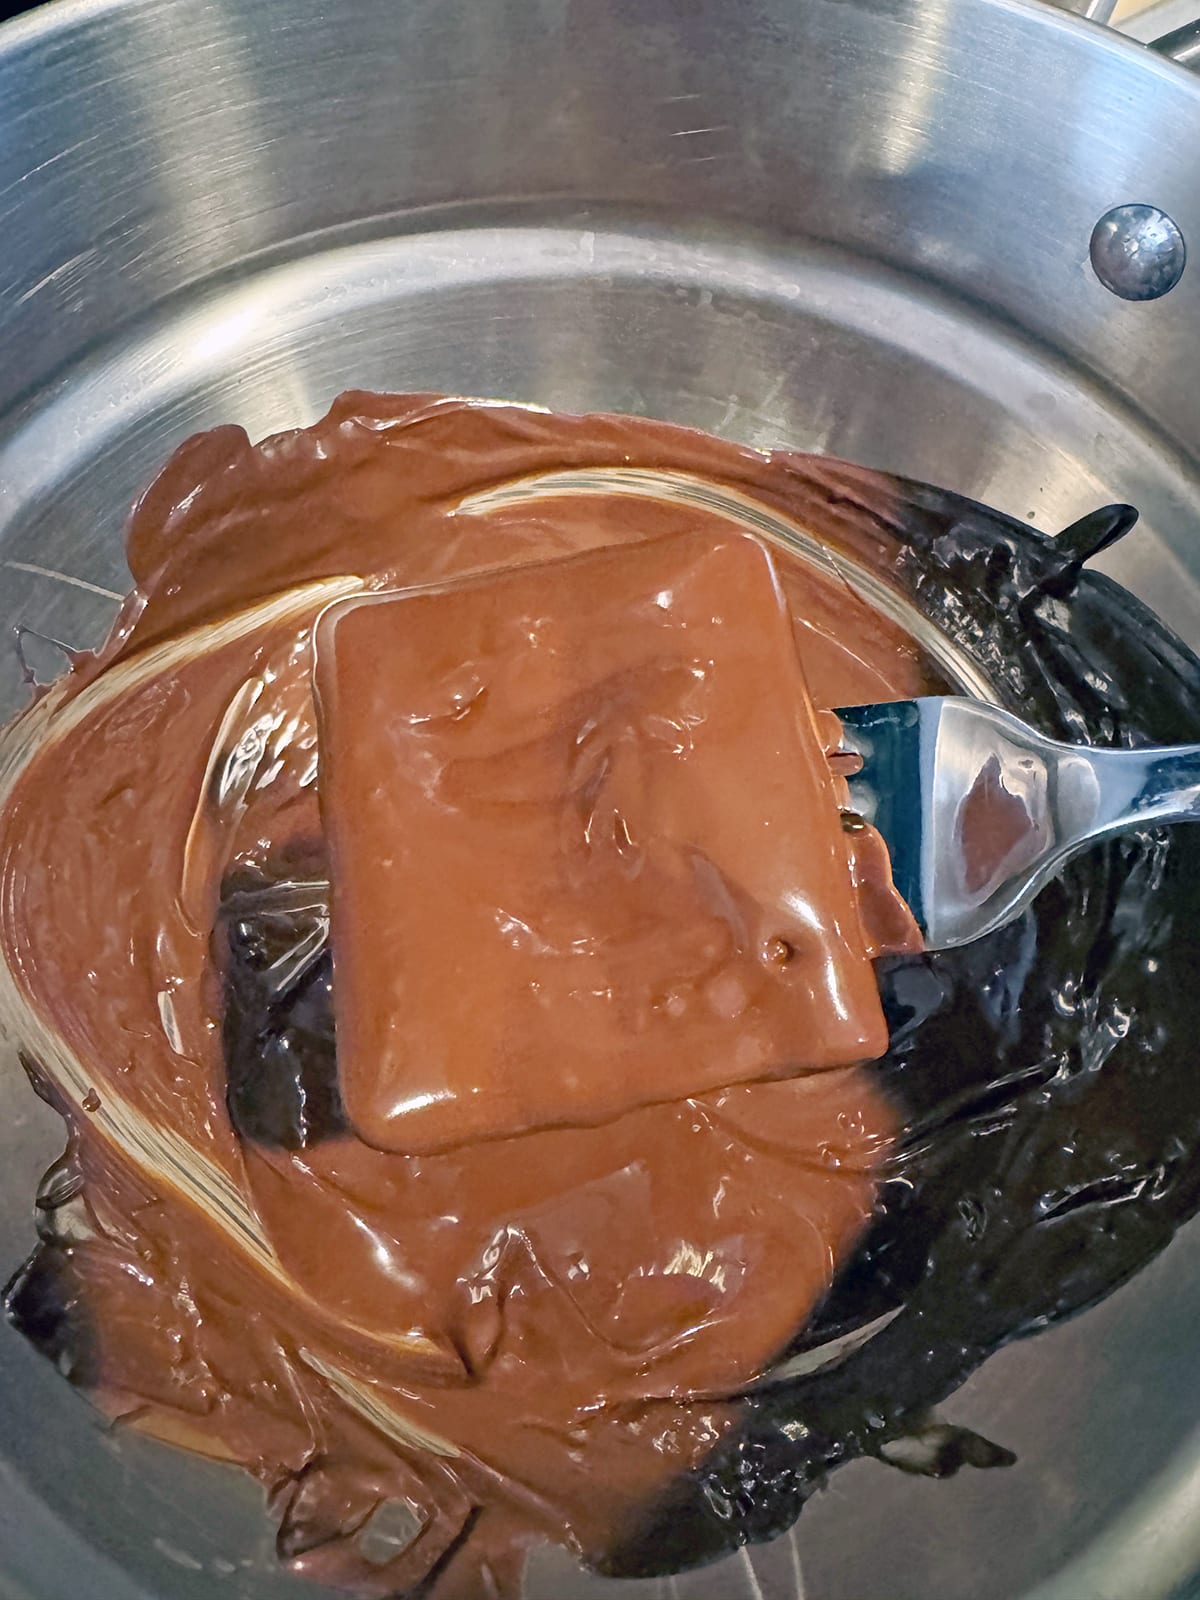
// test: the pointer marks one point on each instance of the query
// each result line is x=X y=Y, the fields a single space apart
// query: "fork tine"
x=979 y=811
x=888 y=791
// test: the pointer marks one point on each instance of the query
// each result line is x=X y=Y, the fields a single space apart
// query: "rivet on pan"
x=1138 y=252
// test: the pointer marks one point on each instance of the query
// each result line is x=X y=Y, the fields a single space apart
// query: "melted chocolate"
x=586 y=852
x=554 y=1335
x=517 y=1338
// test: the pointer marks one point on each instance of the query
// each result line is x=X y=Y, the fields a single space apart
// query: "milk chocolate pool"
x=650 y=1323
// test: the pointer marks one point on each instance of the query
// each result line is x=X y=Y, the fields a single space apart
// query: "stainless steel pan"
x=857 y=226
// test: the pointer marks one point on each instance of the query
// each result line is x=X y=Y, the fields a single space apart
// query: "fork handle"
x=1110 y=790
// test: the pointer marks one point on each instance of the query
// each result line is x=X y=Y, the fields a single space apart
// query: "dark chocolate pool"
x=1048 y=1069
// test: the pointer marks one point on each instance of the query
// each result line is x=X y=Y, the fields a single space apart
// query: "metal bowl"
x=864 y=227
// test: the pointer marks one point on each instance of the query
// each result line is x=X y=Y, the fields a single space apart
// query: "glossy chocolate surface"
x=585 y=846
x=517 y=1337
x=653 y=1339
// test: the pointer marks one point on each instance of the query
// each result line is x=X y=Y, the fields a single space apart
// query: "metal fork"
x=979 y=811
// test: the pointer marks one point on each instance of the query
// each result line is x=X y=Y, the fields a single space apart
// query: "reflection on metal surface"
x=906 y=129
x=980 y=811
x=1138 y=252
